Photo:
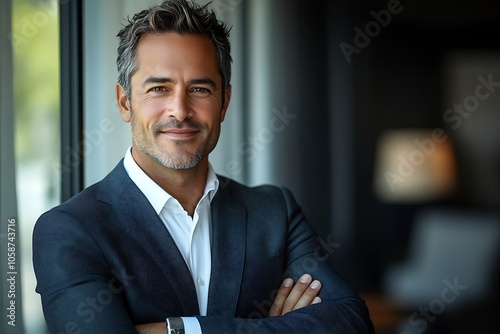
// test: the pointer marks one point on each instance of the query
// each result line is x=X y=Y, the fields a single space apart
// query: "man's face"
x=176 y=105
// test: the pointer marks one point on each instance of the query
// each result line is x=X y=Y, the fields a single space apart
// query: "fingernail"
x=315 y=285
x=287 y=282
x=305 y=278
x=316 y=300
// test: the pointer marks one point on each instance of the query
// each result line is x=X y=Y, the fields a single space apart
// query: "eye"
x=157 y=89
x=200 y=90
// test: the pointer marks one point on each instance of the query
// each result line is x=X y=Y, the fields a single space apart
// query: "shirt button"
x=201 y=281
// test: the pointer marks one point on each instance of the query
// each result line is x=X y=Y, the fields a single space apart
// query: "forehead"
x=173 y=52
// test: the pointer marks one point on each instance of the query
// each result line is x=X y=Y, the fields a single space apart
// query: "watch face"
x=175 y=326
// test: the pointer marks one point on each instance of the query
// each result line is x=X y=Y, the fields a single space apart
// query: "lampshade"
x=416 y=165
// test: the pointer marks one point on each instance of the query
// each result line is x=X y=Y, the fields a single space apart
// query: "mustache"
x=176 y=124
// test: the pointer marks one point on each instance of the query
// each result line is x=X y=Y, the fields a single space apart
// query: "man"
x=163 y=244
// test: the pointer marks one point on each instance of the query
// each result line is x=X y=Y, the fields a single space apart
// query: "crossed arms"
x=289 y=297
x=74 y=250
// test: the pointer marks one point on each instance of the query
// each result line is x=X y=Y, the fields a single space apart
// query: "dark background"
x=397 y=81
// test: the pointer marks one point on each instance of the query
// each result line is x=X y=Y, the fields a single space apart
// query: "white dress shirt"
x=191 y=234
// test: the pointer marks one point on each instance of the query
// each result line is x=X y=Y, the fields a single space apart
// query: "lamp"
x=415 y=165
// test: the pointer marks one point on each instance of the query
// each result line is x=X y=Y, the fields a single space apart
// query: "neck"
x=185 y=185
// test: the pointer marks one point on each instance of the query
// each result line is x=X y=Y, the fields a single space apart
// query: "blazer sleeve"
x=341 y=309
x=80 y=294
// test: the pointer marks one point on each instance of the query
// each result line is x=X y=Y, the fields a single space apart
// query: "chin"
x=184 y=161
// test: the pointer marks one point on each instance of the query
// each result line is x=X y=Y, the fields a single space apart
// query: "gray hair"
x=178 y=16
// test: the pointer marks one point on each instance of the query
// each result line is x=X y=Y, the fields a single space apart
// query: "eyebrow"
x=203 y=81
x=162 y=80
x=156 y=80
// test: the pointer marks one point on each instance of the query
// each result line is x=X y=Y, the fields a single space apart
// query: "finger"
x=316 y=300
x=298 y=290
x=282 y=294
x=309 y=295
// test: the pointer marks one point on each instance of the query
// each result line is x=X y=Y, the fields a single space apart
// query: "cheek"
x=151 y=107
x=157 y=104
x=210 y=111
x=148 y=112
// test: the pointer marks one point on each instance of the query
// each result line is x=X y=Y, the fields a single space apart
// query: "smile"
x=179 y=134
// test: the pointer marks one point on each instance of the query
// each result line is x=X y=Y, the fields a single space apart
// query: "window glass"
x=35 y=41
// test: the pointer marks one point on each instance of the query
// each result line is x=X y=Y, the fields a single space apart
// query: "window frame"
x=72 y=96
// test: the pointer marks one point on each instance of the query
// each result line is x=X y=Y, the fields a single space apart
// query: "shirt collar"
x=153 y=192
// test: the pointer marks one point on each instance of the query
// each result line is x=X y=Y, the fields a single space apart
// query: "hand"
x=292 y=296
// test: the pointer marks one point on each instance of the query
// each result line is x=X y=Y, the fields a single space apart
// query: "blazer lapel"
x=228 y=253
x=140 y=219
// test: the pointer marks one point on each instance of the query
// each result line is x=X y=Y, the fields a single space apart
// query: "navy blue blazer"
x=105 y=262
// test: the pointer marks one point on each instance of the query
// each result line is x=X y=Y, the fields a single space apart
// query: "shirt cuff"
x=191 y=325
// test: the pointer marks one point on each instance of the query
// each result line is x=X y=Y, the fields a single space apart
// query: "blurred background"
x=382 y=117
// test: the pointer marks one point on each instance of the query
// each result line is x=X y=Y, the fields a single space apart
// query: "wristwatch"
x=175 y=326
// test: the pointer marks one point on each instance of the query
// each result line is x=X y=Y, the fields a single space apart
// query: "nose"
x=178 y=106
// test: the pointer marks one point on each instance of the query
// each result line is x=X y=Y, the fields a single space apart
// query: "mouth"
x=179 y=134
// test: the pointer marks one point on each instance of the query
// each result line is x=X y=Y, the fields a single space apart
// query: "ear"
x=123 y=103
x=227 y=98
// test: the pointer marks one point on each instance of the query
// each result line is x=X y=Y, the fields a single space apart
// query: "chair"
x=454 y=245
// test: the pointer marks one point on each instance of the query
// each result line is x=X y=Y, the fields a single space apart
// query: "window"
x=33 y=36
